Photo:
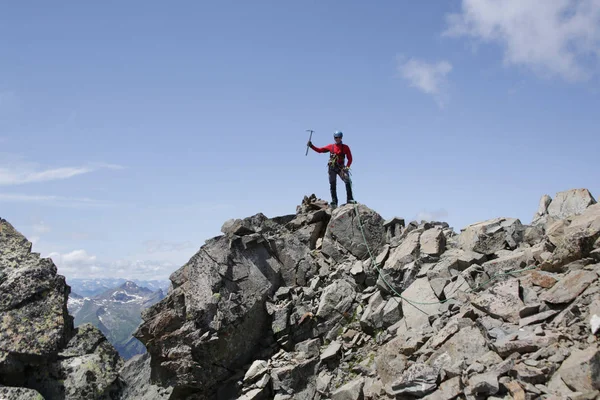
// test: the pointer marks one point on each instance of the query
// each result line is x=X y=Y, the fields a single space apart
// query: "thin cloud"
x=27 y=173
x=552 y=38
x=430 y=78
x=160 y=246
x=59 y=201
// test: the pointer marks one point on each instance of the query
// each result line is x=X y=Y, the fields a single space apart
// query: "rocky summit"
x=334 y=304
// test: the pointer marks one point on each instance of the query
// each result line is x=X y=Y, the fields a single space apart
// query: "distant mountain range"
x=116 y=312
x=92 y=287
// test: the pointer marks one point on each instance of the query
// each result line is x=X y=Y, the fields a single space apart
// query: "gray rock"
x=448 y=390
x=568 y=288
x=512 y=261
x=19 y=393
x=91 y=366
x=570 y=203
x=577 y=241
x=447 y=332
x=34 y=321
x=536 y=318
x=297 y=378
x=467 y=258
x=217 y=301
x=336 y=298
x=489 y=236
x=581 y=371
x=137 y=384
x=525 y=341
x=254 y=394
x=372 y=313
x=331 y=351
x=457 y=285
x=466 y=345
x=595 y=324
x=529 y=374
x=390 y=363
x=542 y=211
x=344 y=230
x=501 y=301
x=418 y=303
x=395 y=266
x=418 y=380
x=352 y=390
x=483 y=384
x=323 y=381
x=433 y=242
x=309 y=348
x=392 y=312
x=256 y=370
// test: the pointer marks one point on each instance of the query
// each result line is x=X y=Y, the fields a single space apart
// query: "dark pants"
x=334 y=172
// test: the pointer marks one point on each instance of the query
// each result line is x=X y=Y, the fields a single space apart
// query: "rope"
x=413 y=302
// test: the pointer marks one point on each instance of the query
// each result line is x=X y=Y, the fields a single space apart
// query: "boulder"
x=217 y=302
x=570 y=203
x=33 y=304
x=490 y=236
x=577 y=241
x=351 y=229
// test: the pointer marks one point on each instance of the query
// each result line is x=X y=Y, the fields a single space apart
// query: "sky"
x=131 y=131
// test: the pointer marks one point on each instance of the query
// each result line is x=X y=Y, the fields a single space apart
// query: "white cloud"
x=59 y=201
x=551 y=37
x=80 y=264
x=73 y=259
x=430 y=78
x=434 y=215
x=23 y=173
x=160 y=246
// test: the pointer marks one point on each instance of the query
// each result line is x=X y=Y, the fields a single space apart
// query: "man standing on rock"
x=337 y=166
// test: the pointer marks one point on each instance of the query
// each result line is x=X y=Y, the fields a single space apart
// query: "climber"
x=337 y=155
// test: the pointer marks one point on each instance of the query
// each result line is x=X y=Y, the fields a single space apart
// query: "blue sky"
x=129 y=133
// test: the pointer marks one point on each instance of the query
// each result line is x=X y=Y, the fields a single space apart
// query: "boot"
x=334 y=198
x=349 y=194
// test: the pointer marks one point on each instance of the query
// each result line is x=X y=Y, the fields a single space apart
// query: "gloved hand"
x=346 y=168
x=309 y=144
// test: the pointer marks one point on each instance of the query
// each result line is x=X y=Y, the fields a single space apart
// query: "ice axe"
x=309 y=139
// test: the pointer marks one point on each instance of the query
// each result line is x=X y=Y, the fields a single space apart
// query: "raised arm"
x=320 y=149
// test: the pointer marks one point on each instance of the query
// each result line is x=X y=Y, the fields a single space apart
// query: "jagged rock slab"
x=463 y=348
x=581 y=371
x=217 y=302
x=570 y=203
x=418 y=303
x=352 y=390
x=418 y=380
x=344 y=230
x=448 y=390
x=137 y=384
x=390 y=362
x=19 y=393
x=489 y=236
x=569 y=287
x=90 y=366
x=525 y=341
x=33 y=302
x=501 y=301
x=433 y=242
x=578 y=239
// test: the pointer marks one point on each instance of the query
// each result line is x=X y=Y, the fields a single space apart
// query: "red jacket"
x=339 y=151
